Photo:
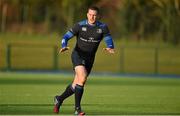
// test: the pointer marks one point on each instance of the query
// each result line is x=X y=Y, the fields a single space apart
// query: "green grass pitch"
x=32 y=93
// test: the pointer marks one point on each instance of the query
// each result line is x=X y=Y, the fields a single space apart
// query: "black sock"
x=68 y=92
x=78 y=95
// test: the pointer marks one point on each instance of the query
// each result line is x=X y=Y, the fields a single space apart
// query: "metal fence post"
x=122 y=59
x=156 y=65
x=55 y=58
x=8 y=57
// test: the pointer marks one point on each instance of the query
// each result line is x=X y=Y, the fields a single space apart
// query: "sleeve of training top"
x=73 y=31
x=107 y=37
x=65 y=39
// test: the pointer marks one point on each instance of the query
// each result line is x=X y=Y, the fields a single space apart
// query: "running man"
x=89 y=33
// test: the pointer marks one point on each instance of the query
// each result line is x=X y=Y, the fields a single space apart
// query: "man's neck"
x=92 y=24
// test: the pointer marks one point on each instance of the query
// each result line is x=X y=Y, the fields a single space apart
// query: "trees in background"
x=136 y=19
x=145 y=18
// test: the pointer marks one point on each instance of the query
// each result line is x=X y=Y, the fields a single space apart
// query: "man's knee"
x=81 y=75
x=79 y=80
x=82 y=81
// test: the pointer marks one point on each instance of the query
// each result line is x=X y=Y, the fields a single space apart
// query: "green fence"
x=154 y=60
x=31 y=57
x=128 y=59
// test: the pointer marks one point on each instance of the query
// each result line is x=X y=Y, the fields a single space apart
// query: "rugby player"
x=89 y=33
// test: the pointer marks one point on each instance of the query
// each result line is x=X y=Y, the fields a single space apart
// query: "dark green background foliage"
x=156 y=20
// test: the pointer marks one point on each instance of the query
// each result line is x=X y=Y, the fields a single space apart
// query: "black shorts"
x=86 y=61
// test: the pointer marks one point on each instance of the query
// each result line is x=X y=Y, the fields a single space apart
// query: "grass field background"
x=32 y=93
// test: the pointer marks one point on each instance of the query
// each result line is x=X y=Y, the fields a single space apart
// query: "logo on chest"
x=84 y=28
x=99 y=31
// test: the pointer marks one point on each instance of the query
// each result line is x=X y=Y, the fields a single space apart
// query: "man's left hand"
x=109 y=50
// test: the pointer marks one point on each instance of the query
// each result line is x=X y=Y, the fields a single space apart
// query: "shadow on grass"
x=26 y=105
x=92 y=82
x=92 y=109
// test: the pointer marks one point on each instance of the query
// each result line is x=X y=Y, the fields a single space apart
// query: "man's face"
x=92 y=16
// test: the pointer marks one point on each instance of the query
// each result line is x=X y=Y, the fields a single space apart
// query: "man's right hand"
x=109 y=50
x=63 y=49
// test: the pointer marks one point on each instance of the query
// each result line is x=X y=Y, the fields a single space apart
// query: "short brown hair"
x=94 y=8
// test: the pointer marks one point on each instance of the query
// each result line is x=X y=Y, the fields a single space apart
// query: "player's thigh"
x=80 y=73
